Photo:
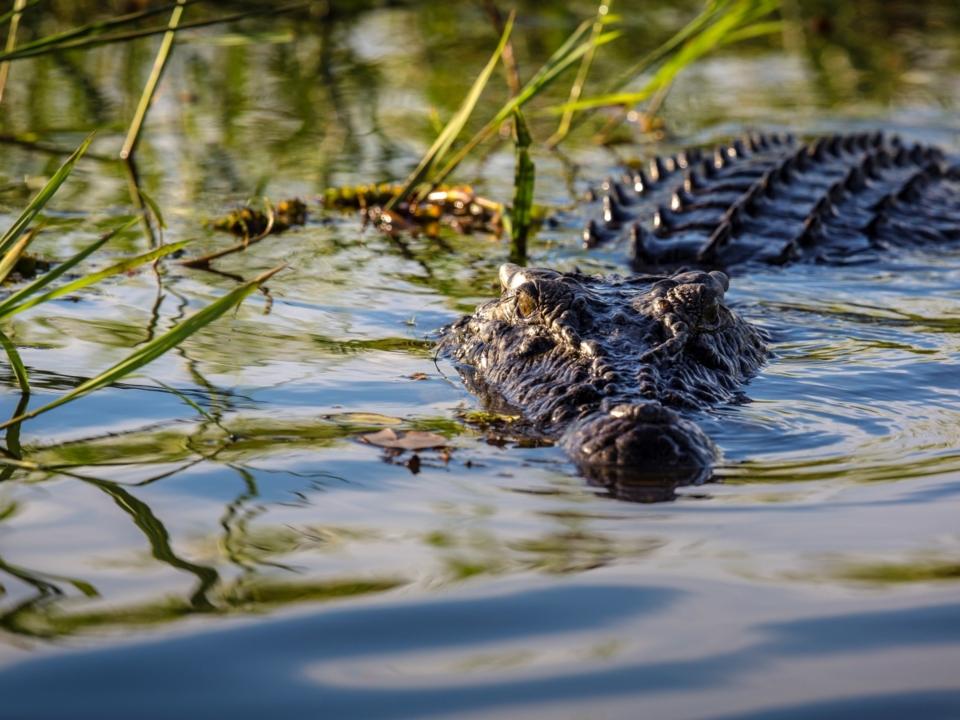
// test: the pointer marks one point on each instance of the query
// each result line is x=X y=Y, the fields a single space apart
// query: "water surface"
x=271 y=562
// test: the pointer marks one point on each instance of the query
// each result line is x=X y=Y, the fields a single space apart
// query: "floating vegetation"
x=253 y=226
x=455 y=206
x=361 y=197
x=249 y=222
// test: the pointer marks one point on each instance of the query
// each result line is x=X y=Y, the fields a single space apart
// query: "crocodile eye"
x=526 y=303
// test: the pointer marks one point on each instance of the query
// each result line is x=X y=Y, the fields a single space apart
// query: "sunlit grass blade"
x=19 y=369
x=718 y=29
x=456 y=124
x=10 y=258
x=41 y=198
x=569 y=52
x=18 y=8
x=12 y=301
x=773 y=27
x=711 y=10
x=581 y=79
x=123 y=266
x=155 y=348
x=523 y=186
x=150 y=88
x=563 y=58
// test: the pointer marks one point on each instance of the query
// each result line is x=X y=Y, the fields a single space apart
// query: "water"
x=271 y=562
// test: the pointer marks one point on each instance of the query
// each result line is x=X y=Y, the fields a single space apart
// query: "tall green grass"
x=720 y=23
x=14 y=242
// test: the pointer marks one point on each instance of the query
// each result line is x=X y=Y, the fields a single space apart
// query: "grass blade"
x=455 y=126
x=558 y=62
x=10 y=259
x=155 y=348
x=711 y=31
x=710 y=12
x=146 y=98
x=121 y=267
x=41 y=198
x=154 y=208
x=9 y=14
x=523 y=185
x=19 y=369
x=773 y=27
x=11 y=301
x=18 y=8
x=577 y=88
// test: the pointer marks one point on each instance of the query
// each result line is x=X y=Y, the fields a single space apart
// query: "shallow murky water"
x=259 y=558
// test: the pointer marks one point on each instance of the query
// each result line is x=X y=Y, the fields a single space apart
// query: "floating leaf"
x=411 y=440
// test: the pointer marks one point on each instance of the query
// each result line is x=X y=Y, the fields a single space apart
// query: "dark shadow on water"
x=282 y=664
x=932 y=705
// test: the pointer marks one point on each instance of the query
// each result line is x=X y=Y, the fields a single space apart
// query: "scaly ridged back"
x=771 y=199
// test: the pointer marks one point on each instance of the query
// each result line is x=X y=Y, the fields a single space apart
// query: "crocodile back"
x=773 y=199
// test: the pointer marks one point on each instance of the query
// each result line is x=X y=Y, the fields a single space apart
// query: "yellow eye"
x=526 y=304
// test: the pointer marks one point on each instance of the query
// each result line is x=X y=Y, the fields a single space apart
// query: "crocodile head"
x=603 y=363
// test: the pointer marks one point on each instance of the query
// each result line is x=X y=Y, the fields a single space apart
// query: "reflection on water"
x=819 y=575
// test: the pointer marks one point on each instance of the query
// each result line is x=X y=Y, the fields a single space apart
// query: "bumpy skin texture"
x=771 y=199
x=604 y=363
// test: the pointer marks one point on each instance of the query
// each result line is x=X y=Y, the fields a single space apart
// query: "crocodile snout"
x=640 y=445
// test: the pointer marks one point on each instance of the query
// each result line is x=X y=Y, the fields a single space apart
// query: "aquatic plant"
x=14 y=243
x=721 y=22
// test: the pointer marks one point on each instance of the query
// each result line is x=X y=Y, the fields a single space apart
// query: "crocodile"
x=606 y=365
x=614 y=368
x=771 y=199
